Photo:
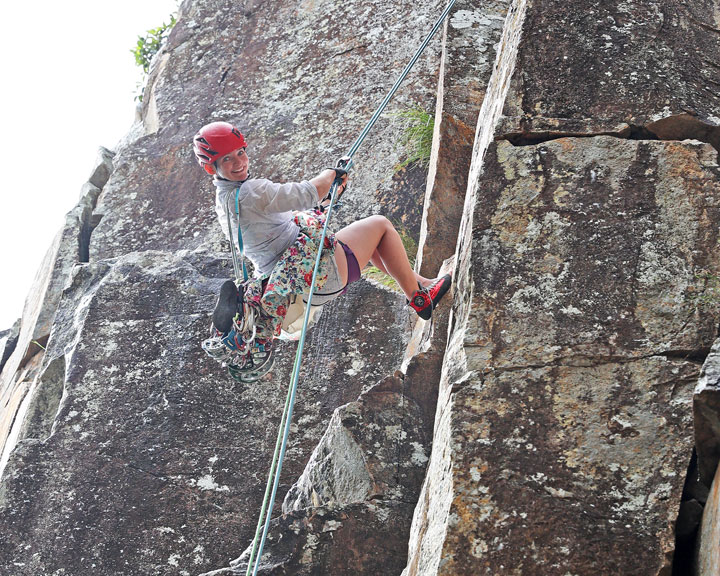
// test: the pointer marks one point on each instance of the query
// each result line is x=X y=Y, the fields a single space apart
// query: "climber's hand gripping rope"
x=339 y=184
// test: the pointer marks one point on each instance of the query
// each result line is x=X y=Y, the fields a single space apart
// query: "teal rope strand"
x=240 y=240
x=233 y=250
x=293 y=386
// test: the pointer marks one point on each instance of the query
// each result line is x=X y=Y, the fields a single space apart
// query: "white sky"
x=69 y=82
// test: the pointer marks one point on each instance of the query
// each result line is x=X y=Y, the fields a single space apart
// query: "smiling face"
x=234 y=166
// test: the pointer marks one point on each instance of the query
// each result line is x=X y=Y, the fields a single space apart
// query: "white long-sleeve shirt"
x=265 y=216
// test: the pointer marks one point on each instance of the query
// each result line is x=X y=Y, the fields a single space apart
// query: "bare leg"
x=376 y=261
x=376 y=235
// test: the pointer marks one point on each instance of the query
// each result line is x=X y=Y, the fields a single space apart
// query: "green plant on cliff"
x=417 y=135
x=376 y=275
x=146 y=48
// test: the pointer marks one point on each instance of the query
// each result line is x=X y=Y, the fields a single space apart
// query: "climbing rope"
x=236 y=264
x=284 y=429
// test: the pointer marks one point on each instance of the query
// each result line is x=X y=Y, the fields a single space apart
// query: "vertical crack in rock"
x=694 y=497
x=88 y=220
x=470 y=42
x=86 y=230
x=431 y=515
x=706 y=410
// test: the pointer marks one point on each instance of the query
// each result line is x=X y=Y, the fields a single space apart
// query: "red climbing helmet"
x=215 y=140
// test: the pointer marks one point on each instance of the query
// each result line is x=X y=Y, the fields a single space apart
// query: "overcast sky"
x=68 y=87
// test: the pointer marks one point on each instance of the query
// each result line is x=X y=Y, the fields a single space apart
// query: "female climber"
x=279 y=225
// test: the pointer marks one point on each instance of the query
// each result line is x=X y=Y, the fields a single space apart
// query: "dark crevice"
x=688 y=521
x=678 y=127
x=638 y=133
x=343 y=52
x=86 y=231
x=535 y=138
x=35 y=346
x=697 y=356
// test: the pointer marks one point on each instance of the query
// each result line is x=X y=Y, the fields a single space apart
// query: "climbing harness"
x=247 y=357
x=281 y=444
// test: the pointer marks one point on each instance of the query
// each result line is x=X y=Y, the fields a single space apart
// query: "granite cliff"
x=561 y=415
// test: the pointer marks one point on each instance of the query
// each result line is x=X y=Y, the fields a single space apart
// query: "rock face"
x=542 y=424
x=20 y=368
x=708 y=554
x=125 y=437
x=579 y=316
x=706 y=408
x=570 y=395
x=591 y=67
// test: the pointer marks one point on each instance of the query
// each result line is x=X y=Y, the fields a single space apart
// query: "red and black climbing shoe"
x=425 y=300
x=228 y=306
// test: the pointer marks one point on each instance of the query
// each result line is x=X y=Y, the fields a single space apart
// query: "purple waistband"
x=353 y=268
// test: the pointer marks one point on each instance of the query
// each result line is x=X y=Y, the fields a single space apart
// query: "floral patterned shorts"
x=291 y=275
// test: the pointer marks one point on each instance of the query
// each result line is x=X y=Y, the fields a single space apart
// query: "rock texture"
x=708 y=553
x=543 y=424
x=129 y=441
x=593 y=67
x=706 y=409
x=566 y=388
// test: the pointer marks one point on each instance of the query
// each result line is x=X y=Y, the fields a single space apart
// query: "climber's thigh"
x=364 y=236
